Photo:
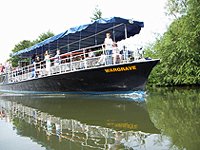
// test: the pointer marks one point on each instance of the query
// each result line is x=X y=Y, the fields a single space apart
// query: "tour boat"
x=83 y=62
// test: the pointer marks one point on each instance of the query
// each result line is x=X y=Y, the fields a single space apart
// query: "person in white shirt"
x=57 y=57
x=48 y=62
x=108 y=42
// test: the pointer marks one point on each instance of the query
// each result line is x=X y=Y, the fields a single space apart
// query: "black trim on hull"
x=108 y=79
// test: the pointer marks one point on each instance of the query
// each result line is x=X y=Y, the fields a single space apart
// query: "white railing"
x=73 y=61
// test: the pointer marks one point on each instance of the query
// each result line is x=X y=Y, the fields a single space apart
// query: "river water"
x=158 y=119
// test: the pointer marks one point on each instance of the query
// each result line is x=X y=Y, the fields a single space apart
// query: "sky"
x=27 y=19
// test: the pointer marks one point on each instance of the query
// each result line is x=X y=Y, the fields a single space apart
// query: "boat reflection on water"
x=75 y=121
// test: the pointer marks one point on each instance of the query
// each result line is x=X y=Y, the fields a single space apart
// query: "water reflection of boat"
x=85 y=124
x=77 y=72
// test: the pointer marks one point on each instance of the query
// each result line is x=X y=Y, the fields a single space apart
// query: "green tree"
x=43 y=37
x=176 y=8
x=97 y=14
x=20 y=46
x=25 y=44
x=179 y=50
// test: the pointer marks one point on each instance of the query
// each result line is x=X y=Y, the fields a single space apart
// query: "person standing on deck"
x=1 y=68
x=57 y=60
x=108 y=42
x=48 y=62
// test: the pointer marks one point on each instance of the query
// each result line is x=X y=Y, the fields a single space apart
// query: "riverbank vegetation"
x=175 y=112
x=179 y=47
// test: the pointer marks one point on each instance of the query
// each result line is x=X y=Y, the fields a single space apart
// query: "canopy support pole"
x=57 y=45
x=113 y=33
x=68 y=43
x=125 y=30
x=95 y=34
x=79 y=43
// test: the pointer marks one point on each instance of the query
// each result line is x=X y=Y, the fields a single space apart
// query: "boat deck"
x=71 y=62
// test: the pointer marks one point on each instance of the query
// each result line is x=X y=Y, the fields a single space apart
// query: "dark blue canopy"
x=85 y=35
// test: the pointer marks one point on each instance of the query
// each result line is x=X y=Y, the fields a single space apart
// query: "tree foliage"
x=97 y=14
x=43 y=37
x=20 y=46
x=176 y=8
x=25 y=44
x=179 y=50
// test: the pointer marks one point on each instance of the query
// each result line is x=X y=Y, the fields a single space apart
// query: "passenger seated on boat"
x=108 y=42
x=91 y=53
x=124 y=53
x=116 y=54
x=57 y=58
x=140 y=53
x=57 y=61
x=38 y=63
x=102 y=60
x=89 y=60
